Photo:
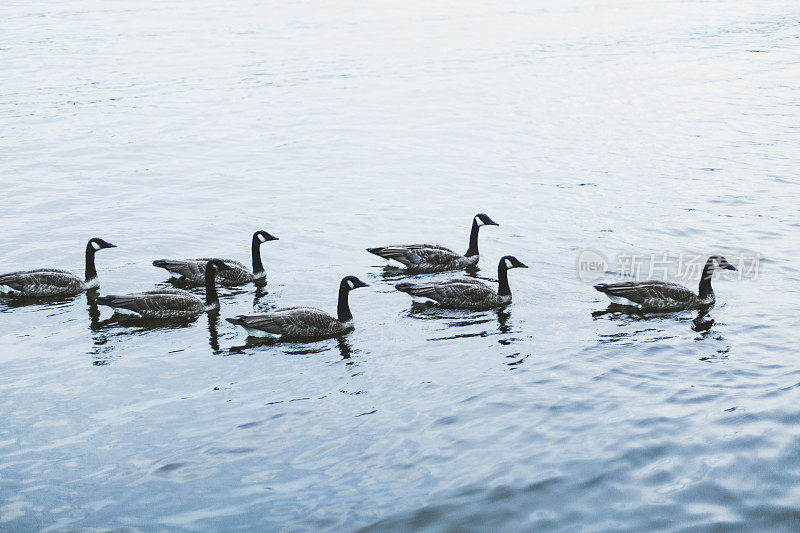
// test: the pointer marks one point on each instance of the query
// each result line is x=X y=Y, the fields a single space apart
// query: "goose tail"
x=404 y=287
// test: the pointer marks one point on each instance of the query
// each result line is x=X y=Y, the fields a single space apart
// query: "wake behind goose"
x=193 y=270
x=466 y=293
x=433 y=257
x=49 y=282
x=665 y=296
x=302 y=322
x=169 y=303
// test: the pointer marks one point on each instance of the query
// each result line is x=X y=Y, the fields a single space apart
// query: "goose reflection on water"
x=455 y=318
x=297 y=348
x=700 y=322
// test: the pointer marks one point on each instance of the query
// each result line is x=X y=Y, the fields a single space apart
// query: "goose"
x=48 y=282
x=465 y=293
x=433 y=257
x=666 y=296
x=302 y=322
x=168 y=303
x=193 y=270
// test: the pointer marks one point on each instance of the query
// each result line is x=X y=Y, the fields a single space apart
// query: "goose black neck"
x=212 y=300
x=705 y=289
x=343 y=309
x=473 y=240
x=502 y=277
x=91 y=271
x=258 y=266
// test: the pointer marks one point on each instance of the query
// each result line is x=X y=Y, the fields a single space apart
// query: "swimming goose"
x=433 y=257
x=302 y=322
x=169 y=303
x=47 y=282
x=665 y=296
x=465 y=293
x=193 y=270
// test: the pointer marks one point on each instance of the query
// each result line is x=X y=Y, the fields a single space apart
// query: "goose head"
x=351 y=282
x=482 y=219
x=97 y=243
x=262 y=236
x=512 y=262
x=723 y=263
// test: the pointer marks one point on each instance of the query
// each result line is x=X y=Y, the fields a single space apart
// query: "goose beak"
x=109 y=245
x=521 y=265
x=730 y=267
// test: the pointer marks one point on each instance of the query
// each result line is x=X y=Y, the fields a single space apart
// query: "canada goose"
x=47 y=282
x=665 y=296
x=193 y=270
x=465 y=293
x=169 y=303
x=433 y=257
x=302 y=322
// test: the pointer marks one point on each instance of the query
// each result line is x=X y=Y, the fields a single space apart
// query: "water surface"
x=177 y=130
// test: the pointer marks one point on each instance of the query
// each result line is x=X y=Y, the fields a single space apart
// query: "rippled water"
x=176 y=130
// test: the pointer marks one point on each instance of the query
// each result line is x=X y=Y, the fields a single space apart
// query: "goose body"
x=433 y=257
x=53 y=282
x=302 y=322
x=193 y=271
x=666 y=296
x=168 y=303
x=465 y=293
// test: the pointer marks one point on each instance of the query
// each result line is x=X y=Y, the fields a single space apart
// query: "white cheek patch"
x=508 y=264
x=262 y=238
x=95 y=246
x=350 y=284
x=479 y=221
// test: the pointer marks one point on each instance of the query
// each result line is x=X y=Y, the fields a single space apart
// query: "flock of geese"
x=309 y=322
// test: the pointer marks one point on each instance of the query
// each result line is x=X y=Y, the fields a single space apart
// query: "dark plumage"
x=664 y=296
x=168 y=303
x=466 y=293
x=433 y=257
x=193 y=270
x=49 y=282
x=302 y=322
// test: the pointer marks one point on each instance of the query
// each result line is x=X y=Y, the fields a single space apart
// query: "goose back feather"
x=41 y=282
x=652 y=294
x=292 y=322
x=193 y=271
x=158 y=304
x=457 y=293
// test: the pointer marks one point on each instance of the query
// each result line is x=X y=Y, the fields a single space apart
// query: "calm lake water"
x=178 y=129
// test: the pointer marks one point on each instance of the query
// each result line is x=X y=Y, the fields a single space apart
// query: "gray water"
x=178 y=129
